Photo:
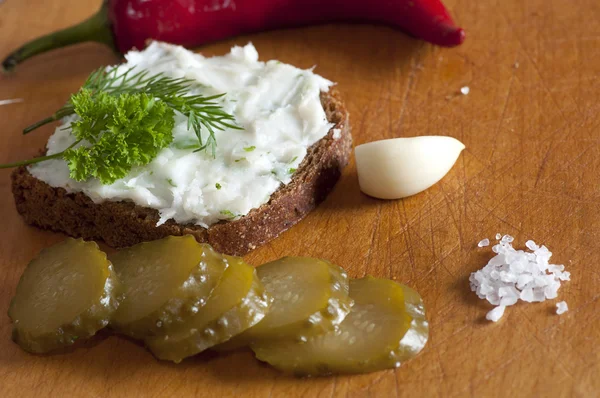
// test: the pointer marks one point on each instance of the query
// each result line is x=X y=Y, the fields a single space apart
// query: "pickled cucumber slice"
x=165 y=282
x=310 y=297
x=238 y=302
x=386 y=326
x=67 y=292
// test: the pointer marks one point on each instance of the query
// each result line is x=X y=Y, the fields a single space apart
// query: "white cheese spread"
x=278 y=107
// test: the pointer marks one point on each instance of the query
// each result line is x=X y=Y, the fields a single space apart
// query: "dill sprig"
x=201 y=111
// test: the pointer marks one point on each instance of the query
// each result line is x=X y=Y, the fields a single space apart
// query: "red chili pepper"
x=124 y=24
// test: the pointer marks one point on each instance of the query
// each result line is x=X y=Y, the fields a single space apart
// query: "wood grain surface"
x=530 y=124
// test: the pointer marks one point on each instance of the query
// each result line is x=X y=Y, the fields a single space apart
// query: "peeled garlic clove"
x=401 y=167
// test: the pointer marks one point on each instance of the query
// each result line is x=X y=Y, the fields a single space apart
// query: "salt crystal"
x=473 y=281
x=532 y=268
x=527 y=295
x=543 y=254
x=485 y=289
x=551 y=291
x=523 y=280
x=478 y=276
x=561 y=307
x=514 y=275
x=542 y=280
x=518 y=265
x=465 y=90
x=508 y=296
x=508 y=277
x=509 y=300
x=556 y=268
x=493 y=298
x=497 y=261
x=538 y=294
x=483 y=243
x=565 y=276
x=495 y=314
x=531 y=245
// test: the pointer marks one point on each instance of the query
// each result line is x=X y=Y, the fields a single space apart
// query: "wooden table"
x=530 y=124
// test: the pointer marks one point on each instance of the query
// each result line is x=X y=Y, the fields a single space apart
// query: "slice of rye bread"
x=124 y=223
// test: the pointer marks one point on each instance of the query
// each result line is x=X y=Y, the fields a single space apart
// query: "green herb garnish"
x=291 y=170
x=249 y=148
x=218 y=186
x=125 y=131
x=239 y=160
x=186 y=145
x=171 y=183
x=127 y=118
x=228 y=213
x=200 y=110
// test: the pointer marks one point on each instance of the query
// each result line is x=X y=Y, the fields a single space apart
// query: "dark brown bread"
x=124 y=223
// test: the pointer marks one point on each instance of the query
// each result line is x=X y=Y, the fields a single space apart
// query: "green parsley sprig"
x=125 y=131
x=127 y=118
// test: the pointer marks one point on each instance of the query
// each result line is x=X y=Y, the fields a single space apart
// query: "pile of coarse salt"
x=514 y=275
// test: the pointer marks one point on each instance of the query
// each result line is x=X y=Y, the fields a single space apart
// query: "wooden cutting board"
x=530 y=124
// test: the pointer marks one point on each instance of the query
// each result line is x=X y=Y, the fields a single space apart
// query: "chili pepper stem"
x=96 y=28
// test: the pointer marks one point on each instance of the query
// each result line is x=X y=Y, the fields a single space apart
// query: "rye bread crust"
x=124 y=223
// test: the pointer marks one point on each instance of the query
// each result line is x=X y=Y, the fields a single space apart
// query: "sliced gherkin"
x=165 y=281
x=310 y=296
x=238 y=302
x=68 y=292
x=386 y=326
